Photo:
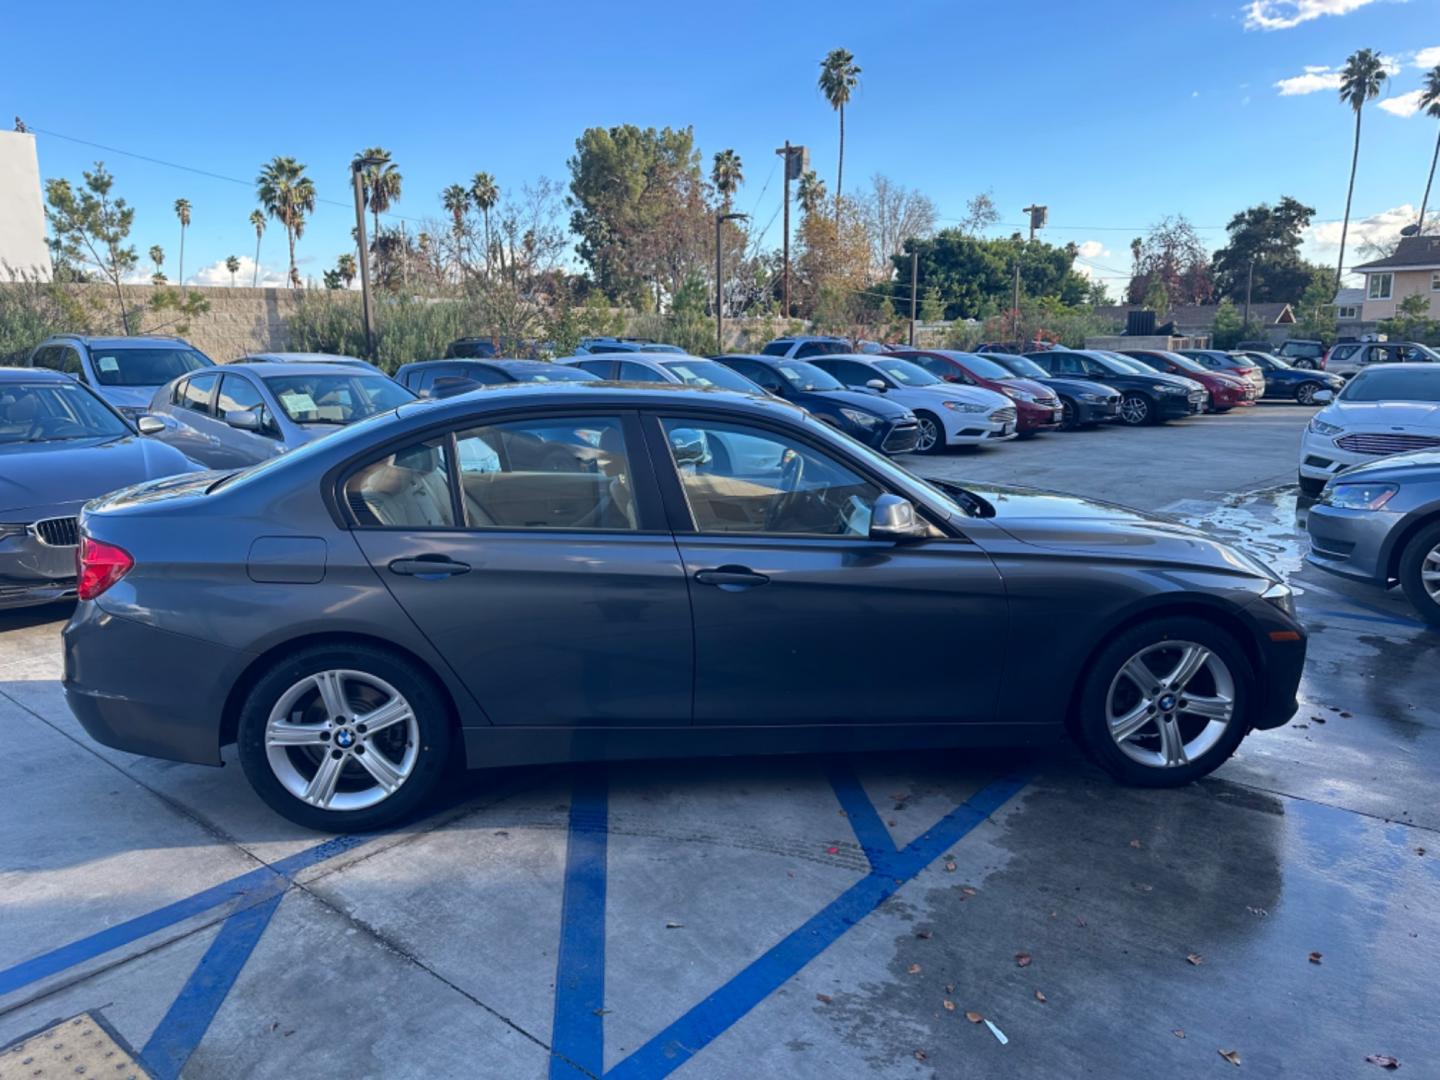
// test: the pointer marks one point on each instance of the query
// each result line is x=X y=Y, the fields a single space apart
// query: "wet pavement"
x=799 y=917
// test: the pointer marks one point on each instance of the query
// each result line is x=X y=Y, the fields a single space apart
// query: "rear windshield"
x=129 y=366
x=803 y=376
x=1393 y=384
x=709 y=373
x=336 y=399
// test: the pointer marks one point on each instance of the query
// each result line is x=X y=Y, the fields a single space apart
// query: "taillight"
x=98 y=566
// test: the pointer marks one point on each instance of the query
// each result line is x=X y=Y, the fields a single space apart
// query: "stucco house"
x=1413 y=269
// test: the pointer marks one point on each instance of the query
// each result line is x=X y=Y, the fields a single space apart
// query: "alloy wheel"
x=342 y=740
x=929 y=435
x=1170 y=703
x=1430 y=573
x=1305 y=395
x=1134 y=409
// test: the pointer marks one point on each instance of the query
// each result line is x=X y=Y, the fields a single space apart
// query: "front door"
x=534 y=556
x=801 y=618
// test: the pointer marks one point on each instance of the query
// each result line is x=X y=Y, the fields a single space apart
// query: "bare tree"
x=892 y=214
x=980 y=214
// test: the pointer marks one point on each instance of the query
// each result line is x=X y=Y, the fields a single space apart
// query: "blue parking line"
x=184 y=1025
x=691 y=1033
x=875 y=839
x=577 y=1035
x=245 y=891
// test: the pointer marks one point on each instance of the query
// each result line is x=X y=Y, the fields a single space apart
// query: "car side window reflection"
x=739 y=479
x=407 y=488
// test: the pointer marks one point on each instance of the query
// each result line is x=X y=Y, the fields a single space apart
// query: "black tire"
x=1137 y=410
x=1412 y=561
x=1306 y=391
x=1092 y=718
x=1220 y=410
x=924 y=418
x=1311 y=487
x=426 y=703
x=1069 y=415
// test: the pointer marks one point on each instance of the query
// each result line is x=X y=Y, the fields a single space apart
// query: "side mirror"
x=243 y=419
x=689 y=446
x=1323 y=397
x=876 y=384
x=894 y=518
x=150 y=425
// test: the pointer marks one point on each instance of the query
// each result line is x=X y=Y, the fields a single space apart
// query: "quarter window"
x=407 y=489
x=1380 y=286
x=195 y=393
x=740 y=479
x=553 y=473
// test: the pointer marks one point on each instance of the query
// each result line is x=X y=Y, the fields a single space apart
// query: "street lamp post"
x=720 y=220
x=358 y=166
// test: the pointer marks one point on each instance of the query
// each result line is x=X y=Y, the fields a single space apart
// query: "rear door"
x=534 y=554
x=191 y=428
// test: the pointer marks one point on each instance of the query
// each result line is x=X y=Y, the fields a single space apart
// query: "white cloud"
x=1321 y=242
x=1314 y=79
x=1283 y=14
x=216 y=274
x=1404 y=104
x=1097 y=262
x=1427 y=58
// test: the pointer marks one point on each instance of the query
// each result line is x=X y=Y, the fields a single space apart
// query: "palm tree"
x=839 y=75
x=379 y=182
x=457 y=202
x=232 y=263
x=485 y=193
x=727 y=175
x=287 y=195
x=1430 y=102
x=1360 y=81
x=810 y=192
x=157 y=256
x=182 y=211
x=345 y=266
x=257 y=219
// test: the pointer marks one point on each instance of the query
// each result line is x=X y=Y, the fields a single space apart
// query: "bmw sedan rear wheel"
x=1166 y=702
x=344 y=740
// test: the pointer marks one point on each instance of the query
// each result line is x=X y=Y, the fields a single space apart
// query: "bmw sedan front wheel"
x=344 y=740
x=1166 y=702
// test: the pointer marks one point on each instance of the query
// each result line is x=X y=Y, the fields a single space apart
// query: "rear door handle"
x=429 y=566
x=731 y=578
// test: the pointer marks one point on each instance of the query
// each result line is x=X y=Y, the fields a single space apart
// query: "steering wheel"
x=792 y=473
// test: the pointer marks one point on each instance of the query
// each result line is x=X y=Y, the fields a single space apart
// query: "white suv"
x=1350 y=357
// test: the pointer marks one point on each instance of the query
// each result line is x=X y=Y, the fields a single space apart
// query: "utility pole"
x=914 y=279
x=720 y=220
x=1015 y=314
x=1249 y=281
x=355 y=169
x=1038 y=216
x=796 y=159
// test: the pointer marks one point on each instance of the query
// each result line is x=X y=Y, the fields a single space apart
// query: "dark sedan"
x=444 y=378
x=1146 y=395
x=1293 y=383
x=881 y=425
x=60 y=445
x=1083 y=403
x=691 y=572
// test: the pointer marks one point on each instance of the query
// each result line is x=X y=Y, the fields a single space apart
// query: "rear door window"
x=239 y=394
x=633 y=372
x=197 y=393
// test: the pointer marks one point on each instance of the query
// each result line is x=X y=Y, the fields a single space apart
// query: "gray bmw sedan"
x=558 y=572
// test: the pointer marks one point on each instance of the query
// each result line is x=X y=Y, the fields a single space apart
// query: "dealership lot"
x=809 y=916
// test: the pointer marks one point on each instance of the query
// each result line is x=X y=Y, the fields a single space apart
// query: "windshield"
x=338 y=398
x=1184 y=363
x=1021 y=366
x=1205 y=360
x=803 y=376
x=1393 y=384
x=990 y=369
x=1123 y=364
x=709 y=373
x=53 y=412
x=1411 y=352
x=907 y=374
x=552 y=373
x=129 y=366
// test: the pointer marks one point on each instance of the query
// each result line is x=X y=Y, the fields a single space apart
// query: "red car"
x=1037 y=408
x=1226 y=391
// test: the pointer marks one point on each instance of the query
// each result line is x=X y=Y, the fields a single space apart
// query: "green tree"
x=157 y=256
x=89 y=229
x=727 y=175
x=380 y=181
x=485 y=193
x=287 y=195
x=257 y=221
x=1360 y=80
x=1315 y=313
x=332 y=279
x=182 y=211
x=932 y=308
x=346 y=268
x=1157 y=298
x=1229 y=329
x=232 y=263
x=1430 y=102
x=1412 y=321
x=1172 y=253
x=839 y=76
x=975 y=277
x=456 y=201
x=1269 y=237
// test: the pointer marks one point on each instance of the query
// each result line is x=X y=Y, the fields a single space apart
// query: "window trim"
x=1435 y=280
x=1372 y=280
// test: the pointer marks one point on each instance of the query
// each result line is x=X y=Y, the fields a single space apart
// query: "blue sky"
x=1113 y=112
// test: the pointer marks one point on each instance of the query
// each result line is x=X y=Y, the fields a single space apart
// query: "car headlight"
x=1320 y=427
x=964 y=406
x=1020 y=395
x=1281 y=596
x=1095 y=398
x=1166 y=388
x=867 y=421
x=1358 y=496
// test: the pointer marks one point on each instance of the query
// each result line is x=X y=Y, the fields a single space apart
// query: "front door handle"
x=731 y=578
x=430 y=567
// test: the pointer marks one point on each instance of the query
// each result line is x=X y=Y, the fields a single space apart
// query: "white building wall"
x=22 y=213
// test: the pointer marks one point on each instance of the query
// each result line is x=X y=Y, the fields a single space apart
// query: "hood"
x=1417 y=465
x=58 y=477
x=1030 y=386
x=868 y=400
x=1420 y=416
x=974 y=395
x=1090 y=527
x=1076 y=387
x=128 y=397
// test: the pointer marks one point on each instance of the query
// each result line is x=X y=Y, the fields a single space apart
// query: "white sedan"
x=948 y=414
x=1386 y=409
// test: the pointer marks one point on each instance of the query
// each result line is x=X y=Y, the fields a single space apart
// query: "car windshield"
x=905 y=373
x=336 y=398
x=1184 y=363
x=1412 y=352
x=53 y=412
x=1123 y=365
x=128 y=365
x=803 y=376
x=1205 y=360
x=1267 y=360
x=1020 y=366
x=1393 y=384
x=709 y=373
x=987 y=368
x=552 y=373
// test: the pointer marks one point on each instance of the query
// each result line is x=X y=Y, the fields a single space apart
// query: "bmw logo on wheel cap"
x=1166 y=703
x=345 y=739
